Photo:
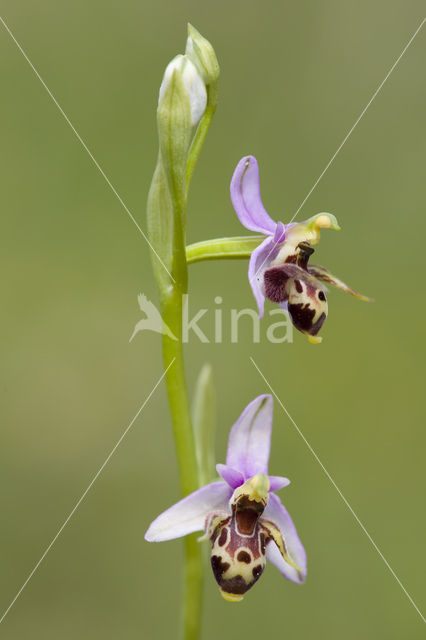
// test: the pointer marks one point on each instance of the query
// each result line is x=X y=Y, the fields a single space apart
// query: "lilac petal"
x=231 y=476
x=279 y=234
x=250 y=438
x=245 y=196
x=278 y=482
x=259 y=262
x=276 y=513
x=274 y=556
x=190 y=513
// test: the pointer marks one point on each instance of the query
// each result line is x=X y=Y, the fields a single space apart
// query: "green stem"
x=235 y=248
x=185 y=452
x=171 y=306
x=167 y=205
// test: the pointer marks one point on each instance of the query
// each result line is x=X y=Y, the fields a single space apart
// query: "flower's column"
x=186 y=106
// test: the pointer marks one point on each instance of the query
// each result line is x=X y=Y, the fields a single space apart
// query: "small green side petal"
x=321 y=273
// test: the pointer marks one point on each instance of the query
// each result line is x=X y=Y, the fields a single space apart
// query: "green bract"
x=174 y=135
x=203 y=418
x=202 y=54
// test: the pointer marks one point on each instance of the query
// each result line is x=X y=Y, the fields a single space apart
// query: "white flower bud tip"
x=193 y=84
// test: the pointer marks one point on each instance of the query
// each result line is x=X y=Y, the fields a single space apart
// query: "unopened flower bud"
x=193 y=83
x=202 y=55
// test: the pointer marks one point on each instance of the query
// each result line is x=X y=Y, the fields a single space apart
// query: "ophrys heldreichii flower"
x=244 y=520
x=278 y=268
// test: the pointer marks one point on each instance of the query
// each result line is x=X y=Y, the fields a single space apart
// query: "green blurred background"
x=295 y=77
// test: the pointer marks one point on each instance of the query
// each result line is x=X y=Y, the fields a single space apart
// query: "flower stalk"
x=171 y=310
x=185 y=450
x=187 y=102
x=235 y=248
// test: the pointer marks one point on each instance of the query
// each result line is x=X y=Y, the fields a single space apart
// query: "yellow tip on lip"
x=323 y=221
x=314 y=339
x=326 y=221
x=231 y=597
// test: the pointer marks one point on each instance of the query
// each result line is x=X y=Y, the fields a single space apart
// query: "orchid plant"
x=240 y=514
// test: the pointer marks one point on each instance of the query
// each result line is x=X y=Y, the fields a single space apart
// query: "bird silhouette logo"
x=153 y=320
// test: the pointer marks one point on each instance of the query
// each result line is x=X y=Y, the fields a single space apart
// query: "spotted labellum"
x=240 y=515
x=279 y=267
